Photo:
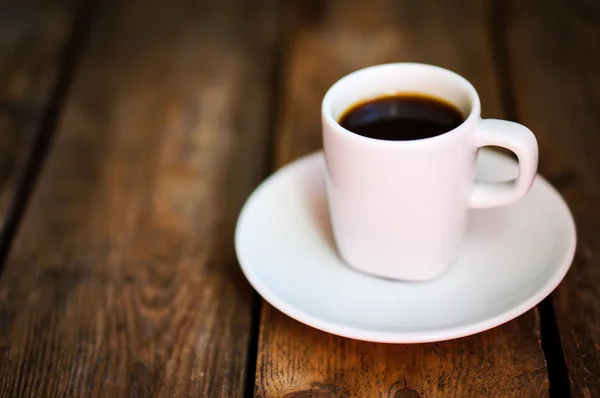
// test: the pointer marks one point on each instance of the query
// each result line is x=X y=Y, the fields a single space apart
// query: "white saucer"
x=513 y=257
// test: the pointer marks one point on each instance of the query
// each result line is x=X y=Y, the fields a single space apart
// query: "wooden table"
x=131 y=132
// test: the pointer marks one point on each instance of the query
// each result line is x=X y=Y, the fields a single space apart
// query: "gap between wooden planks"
x=33 y=38
x=295 y=360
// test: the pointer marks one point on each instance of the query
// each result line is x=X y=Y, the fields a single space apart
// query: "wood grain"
x=122 y=281
x=297 y=361
x=554 y=60
x=32 y=37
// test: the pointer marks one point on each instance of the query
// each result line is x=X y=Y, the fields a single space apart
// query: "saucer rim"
x=399 y=337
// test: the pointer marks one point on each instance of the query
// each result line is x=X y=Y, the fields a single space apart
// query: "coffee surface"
x=401 y=117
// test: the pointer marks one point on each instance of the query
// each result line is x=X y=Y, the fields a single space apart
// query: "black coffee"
x=402 y=117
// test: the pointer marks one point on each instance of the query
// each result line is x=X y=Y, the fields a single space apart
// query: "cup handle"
x=521 y=141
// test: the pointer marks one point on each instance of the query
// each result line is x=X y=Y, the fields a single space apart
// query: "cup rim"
x=475 y=109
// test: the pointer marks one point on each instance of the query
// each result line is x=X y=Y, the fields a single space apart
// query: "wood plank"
x=297 y=361
x=122 y=281
x=32 y=37
x=554 y=61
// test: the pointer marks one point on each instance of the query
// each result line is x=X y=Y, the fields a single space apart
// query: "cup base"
x=415 y=275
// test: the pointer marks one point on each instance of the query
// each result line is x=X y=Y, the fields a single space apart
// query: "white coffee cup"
x=399 y=208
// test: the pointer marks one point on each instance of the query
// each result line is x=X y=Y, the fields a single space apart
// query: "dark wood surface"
x=128 y=145
x=296 y=360
x=555 y=63
x=122 y=280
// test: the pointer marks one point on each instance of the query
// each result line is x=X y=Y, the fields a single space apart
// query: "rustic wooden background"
x=132 y=131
